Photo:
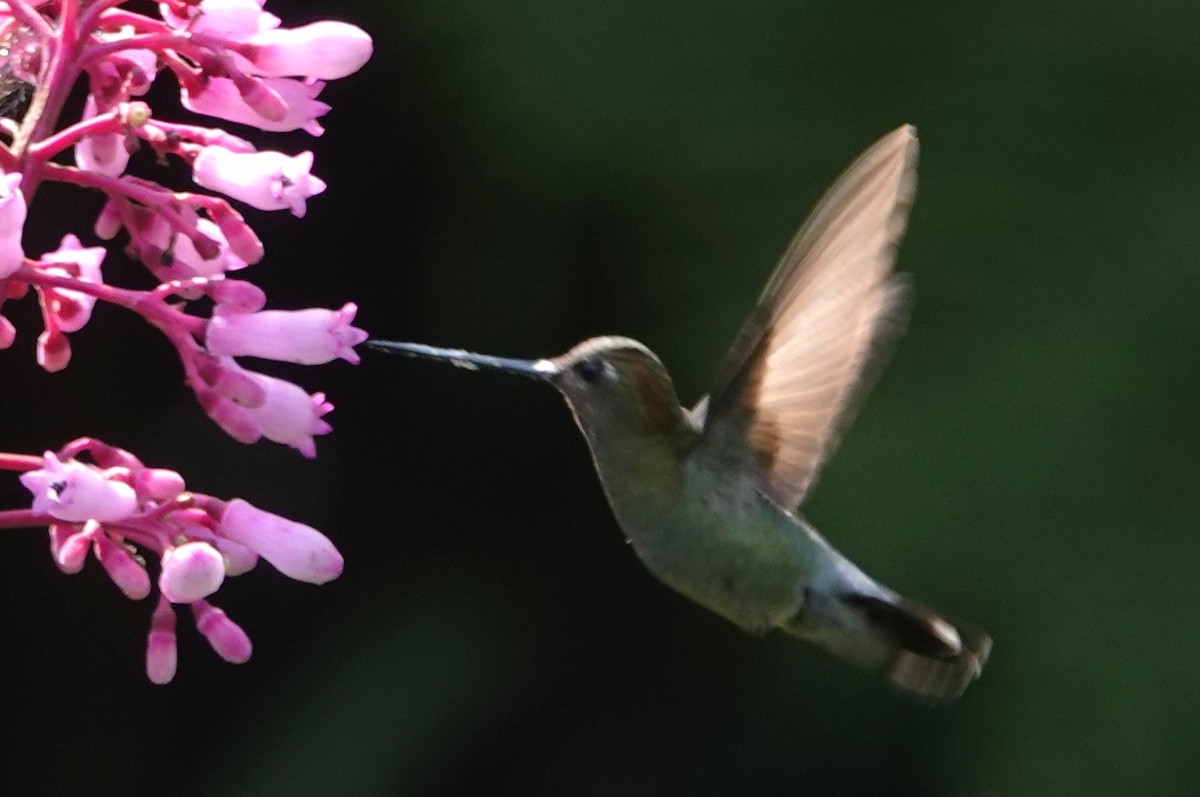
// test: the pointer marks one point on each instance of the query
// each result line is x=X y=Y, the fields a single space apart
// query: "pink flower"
x=221 y=98
x=288 y=415
x=12 y=222
x=190 y=572
x=73 y=308
x=224 y=635
x=327 y=50
x=161 y=653
x=77 y=492
x=296 y=550
x=104 y=153
x=309 y=337
x=265 y=180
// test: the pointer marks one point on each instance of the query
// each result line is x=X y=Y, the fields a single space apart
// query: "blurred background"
x=513 y=177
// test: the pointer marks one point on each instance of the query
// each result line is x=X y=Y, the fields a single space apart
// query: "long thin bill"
x=536 y=369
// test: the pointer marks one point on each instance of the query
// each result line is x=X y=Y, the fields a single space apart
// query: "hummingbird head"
x=613 y=385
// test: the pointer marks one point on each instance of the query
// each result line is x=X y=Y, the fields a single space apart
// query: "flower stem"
x=21 y=462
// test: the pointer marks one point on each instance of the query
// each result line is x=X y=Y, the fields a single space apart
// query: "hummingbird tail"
x=918 y=650
x=933 y=657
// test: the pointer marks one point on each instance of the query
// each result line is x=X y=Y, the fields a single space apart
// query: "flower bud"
x=108 y=222
x=294 y=549
x=161 y=651
x=158 y=484
x=242 y=240
x=327 y=50
x=237 y=295
x=190 y=572
x=224 y=635
x=129 y=576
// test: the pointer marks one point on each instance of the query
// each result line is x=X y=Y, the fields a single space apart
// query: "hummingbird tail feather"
x=934 y=657
x=942 y=679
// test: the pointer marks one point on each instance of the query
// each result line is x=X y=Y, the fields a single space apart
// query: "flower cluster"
x=119 y=510
x=234 y=62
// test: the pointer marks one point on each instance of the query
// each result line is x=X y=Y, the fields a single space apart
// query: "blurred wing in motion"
x=798 y=364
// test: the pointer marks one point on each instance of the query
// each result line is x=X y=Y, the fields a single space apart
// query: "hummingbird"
x=709 y=497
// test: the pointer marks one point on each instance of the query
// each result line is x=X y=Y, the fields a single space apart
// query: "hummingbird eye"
x=590 y=370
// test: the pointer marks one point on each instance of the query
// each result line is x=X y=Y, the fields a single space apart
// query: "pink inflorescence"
x=235 y=62
x=124 y=513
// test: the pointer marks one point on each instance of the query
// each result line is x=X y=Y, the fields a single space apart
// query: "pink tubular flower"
x=248 y=406
x=77 y=492
x=220 y=98
x=264 y=180
x=288 y=414
x=294 y=549
x=327 y=50
x=73 y=308
x=190 y=572
x=308 y=337
x=12 y=222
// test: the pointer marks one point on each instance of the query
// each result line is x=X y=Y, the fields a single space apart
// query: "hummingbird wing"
x=796 y=367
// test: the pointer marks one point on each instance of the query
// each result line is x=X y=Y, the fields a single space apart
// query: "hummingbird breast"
x=721 y=544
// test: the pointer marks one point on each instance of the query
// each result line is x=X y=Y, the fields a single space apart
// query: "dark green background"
x=512 y=177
